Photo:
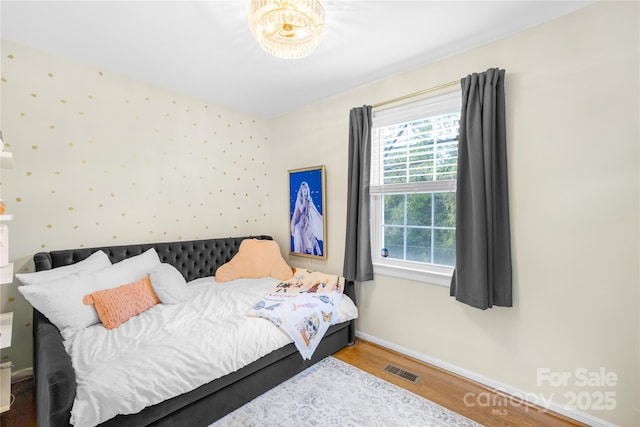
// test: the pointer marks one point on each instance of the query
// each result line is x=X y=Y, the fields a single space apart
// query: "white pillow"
x=126 y=271
x=61 y=300
x=94 y=262
x=168 y=284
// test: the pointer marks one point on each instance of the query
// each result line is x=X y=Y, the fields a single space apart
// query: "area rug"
x=334 y=393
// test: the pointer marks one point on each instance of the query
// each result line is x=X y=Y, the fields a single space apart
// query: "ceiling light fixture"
x=287 y=29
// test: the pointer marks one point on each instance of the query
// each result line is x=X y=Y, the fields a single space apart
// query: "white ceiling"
x=205 y=49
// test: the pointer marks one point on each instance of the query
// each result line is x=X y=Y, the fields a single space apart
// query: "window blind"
x=415 y=146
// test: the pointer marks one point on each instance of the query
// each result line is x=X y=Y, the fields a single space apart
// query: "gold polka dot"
x=22 y=114
x=49 y=226
x=34 y=147
x=70 y=208
x=90 y=97
x=50 y=75
x=100 y=72
x=29 y=173
x=27 y=324
x=56 y=172
x=18 y=199
x=63 y=101
x=4 y=80
x=11 y=299
x=10 y=56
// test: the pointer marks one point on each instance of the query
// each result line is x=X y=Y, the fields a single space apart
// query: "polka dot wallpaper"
x=102 y=159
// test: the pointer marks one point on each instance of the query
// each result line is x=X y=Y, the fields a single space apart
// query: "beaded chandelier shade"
x=287 y=29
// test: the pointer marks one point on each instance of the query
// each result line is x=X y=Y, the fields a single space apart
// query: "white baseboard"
x=520 y=396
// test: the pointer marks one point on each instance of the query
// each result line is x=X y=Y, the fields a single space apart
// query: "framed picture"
x=307 y=212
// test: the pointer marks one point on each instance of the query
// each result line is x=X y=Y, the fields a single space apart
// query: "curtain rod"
x=411 y=95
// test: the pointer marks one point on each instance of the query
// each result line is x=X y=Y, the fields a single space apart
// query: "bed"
x=54 y=375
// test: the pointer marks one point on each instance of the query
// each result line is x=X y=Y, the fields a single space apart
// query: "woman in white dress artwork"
x=306 y=223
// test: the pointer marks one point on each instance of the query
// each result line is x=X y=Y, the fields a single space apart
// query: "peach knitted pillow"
x=117 y=305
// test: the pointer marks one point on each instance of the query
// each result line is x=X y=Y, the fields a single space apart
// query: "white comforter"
x=172 y=349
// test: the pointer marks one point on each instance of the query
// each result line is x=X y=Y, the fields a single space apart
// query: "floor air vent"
x=401 y=373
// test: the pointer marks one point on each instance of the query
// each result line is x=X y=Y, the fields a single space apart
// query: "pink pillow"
x=117 y=305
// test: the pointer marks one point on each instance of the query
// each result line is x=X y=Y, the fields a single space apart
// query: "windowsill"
x=432 y=277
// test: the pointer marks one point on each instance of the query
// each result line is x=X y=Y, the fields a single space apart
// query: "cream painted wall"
x=101 y=159
x=573 y=120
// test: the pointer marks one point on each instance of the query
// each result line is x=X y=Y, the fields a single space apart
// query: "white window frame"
x=416 y=271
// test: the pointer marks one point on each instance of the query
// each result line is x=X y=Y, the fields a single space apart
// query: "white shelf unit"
x=6 y=274
x=6 y=319
x=6 y=271
x=6 y=160
x=5 y=386
x=6 y=323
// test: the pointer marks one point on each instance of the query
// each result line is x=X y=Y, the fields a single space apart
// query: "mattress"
x=169 y=350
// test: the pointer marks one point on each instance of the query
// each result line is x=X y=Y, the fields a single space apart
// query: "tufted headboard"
x=194 y=259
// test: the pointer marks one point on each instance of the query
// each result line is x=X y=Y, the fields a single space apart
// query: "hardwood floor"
x=434 y=384
x=459 y=394
x=23 y=410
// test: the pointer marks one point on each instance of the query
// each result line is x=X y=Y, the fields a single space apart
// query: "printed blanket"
x=304 y=307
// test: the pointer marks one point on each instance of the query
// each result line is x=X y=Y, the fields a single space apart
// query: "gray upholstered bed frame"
x=55 y=382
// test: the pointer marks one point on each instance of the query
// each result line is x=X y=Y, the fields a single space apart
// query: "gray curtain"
x=482 y=276
x=357 y=250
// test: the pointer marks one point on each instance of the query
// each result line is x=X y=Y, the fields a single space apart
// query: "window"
x=413 y=189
